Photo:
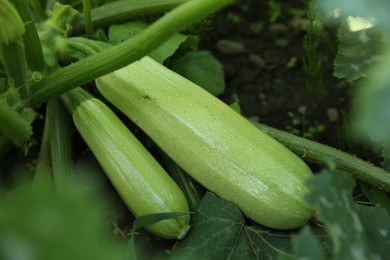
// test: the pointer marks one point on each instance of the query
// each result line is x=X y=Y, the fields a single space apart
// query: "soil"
x=258 y=75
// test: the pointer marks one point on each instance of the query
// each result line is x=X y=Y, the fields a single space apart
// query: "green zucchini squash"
x=215 y=145
x=138 y=178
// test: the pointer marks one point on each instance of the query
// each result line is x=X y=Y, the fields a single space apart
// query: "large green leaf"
x=219 y=232
x=372 y=108
x=122 y=32
x=331 y=197
x=46 y=225
x=357 y=232
x=307 y=246
x=364 y=8
x=358 y=52
x=202 y=68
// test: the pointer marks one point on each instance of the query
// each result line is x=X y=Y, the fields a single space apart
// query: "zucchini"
x=138 y=178
x=218 y=147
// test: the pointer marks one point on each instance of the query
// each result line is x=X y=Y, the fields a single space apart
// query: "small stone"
x=281 y=42
x=302 y=110
x=278 y=28
x=256 y=28
x=230 y=47
x=262 y=96
x=257 y=60
x=298 y=23
x=333 y=114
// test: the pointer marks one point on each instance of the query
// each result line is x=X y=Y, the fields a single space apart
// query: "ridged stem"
x=60 y=144
x=43 y=177
x=32 y=44
x=38 y=9
x=90 y=68
x=13 y=57
x=325 y=155
x=74 y=97
x=77 y=48
x=190 y=188
x=120 y=11
x=87 y=16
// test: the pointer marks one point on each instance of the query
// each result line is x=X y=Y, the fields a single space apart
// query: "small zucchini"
x=138 y=178
x=215 y=145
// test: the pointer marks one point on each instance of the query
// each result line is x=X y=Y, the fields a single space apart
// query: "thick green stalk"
x=78 y=73
x=120 y=11
x=191 y=189
x=60 y=143
x=325 y=155
x=32 y=44
x=12 y=27
x=12 y=56
x=77 y=48
x=73 y=99
x=11 y=45
x=43 y=177
x=39 y=10
x=87 y=17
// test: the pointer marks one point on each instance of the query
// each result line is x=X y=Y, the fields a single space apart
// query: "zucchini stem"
x=43 y=177
x=38 y=10
x=190 y=188
x=119 y=11
x=87 y=16
x=325 y=155
x=95 y=66
x=60 y=145
x=32 y=43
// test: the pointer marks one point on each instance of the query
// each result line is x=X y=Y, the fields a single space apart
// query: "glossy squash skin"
x=215 y=145
x=137 y=177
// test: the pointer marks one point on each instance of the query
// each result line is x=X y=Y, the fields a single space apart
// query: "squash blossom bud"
x=12 y=26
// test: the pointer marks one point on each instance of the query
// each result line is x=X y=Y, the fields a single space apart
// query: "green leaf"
x=45 y=225
x=307 y=246
x=120 y=33
x=372 y=108
x=376 y=196
x=331 y=196
x=219 y=232
x=236 y=106
x=202 y=68
x=376 y=223
x=358 y=52
x=363 y=8
x=356 y=233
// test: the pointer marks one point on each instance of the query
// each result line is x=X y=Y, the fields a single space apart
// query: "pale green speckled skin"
x=218 y=147
x=138 y=178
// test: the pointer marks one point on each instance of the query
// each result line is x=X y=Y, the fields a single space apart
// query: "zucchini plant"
x=50 y=52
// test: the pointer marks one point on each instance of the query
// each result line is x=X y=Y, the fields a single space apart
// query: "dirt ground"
x=263 y=66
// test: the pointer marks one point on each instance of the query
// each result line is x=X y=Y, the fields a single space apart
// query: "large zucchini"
x=218 y=147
